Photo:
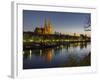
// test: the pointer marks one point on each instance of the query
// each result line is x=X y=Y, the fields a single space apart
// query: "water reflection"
x=73 y=54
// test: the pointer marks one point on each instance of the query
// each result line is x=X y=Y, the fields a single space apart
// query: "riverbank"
x=36 y=45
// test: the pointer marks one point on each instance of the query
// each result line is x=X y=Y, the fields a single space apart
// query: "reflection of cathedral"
x=47 y=54
x=46 y=29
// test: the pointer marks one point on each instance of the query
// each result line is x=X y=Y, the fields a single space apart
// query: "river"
x=69 y=55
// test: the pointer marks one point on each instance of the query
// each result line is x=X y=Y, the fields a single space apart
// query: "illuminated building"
x=46 y=29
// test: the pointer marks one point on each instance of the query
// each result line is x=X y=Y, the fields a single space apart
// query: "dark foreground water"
x=69 y=55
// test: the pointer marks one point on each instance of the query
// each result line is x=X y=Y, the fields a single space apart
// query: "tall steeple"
x=49 y=23
x=49 y=26
x=45 y=23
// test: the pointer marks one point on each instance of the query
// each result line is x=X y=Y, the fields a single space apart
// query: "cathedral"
x=45 y=29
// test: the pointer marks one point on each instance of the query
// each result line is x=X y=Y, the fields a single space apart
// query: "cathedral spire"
x=45 y=23
x=49 y=26
x=49 y=22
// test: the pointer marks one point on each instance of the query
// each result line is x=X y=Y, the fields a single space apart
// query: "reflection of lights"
x=40 y=52
x=30 y=54
x=49 y=55
x=61 y=46
x=57 y=47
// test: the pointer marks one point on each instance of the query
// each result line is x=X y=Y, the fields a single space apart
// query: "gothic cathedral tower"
x=47 y=27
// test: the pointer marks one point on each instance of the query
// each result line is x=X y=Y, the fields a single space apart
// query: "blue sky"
x=63 y=22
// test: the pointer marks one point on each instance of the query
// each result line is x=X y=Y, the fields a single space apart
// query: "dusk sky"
x=63 y=22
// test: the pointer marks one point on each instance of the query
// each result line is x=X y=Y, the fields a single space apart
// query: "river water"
x=69 y=55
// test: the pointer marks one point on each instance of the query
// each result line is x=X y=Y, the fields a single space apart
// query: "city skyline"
x=64 y=22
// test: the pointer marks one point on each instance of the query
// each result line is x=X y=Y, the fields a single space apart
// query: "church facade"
x=45 y=29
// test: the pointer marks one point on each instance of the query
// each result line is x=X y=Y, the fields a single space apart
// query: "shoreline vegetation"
x=33 y=40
